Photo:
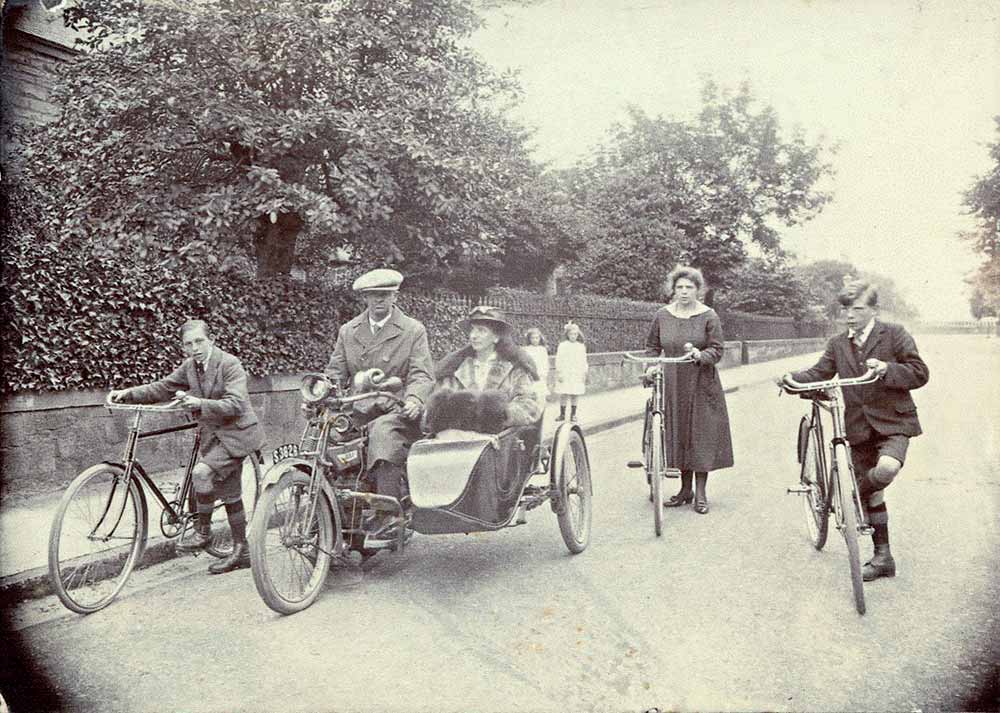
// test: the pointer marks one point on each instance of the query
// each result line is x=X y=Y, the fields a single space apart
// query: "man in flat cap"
x=384 y=337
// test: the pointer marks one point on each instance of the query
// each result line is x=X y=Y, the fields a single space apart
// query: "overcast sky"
x=907 y=88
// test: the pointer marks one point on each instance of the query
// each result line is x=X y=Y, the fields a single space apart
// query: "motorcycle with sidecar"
x=317 y=506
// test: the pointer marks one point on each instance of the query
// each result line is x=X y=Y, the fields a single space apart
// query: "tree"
x=825 y=278
x=983 y=201
x=767 y=286
x=701 y=190
x=282 y=130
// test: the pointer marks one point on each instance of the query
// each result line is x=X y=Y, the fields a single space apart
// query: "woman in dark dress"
x=703 y=440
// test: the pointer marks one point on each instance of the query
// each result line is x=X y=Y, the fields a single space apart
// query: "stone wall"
x=767 y=349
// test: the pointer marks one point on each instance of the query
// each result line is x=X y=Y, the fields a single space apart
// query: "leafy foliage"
x=983 y=201
x=697 y=192
x=825 y=278
x=767 y=286
x=281 y=131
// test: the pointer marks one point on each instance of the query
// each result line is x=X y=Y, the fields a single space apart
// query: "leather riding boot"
x=198 y=539
x=239 y=558
x=572 y=414
x=562 y=413
x=880 y=565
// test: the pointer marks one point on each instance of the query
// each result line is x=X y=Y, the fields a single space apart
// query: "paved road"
x=729 y=611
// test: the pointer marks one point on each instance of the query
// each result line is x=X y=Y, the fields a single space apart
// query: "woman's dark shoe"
x=701 y=505
x=676 y=501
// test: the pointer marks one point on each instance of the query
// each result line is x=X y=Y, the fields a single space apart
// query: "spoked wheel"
x=656 y=469
x=816 y=503
x=222 y=539
x=575 y=492
x=289 y=556
x=850 y=527
x=97 y=537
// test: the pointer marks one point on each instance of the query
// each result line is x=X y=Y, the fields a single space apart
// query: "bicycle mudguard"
x=803 y=438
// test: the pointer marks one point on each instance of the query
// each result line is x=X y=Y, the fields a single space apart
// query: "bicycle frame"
x=833 y=389
x=657 y=399
x=132 y=468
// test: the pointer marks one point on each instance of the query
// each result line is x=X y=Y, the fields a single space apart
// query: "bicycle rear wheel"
x=656 y=468
x=222 y=539
x=816 y=503
x=97 y=536
x=849 y=524
x=290 y=557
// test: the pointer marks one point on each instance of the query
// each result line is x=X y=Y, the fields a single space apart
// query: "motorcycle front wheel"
x=289 y=550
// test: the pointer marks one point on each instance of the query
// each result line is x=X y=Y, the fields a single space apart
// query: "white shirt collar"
x=864 y=332
x=381 y=323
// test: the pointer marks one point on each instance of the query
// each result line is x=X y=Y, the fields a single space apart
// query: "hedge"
x=74 y=320
x=77 y=321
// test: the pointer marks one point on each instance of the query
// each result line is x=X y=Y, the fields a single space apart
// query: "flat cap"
x=382 y=280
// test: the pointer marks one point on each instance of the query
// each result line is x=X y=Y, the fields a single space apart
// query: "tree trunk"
x=552 y=281
x=274 y=243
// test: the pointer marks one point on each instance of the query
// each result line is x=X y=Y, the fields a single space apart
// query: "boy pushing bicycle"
x=213 y=384
x=880 y=418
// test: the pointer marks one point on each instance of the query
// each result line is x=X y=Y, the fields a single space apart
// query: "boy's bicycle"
x=99 y=531
x=659 y=432
x=829 y=485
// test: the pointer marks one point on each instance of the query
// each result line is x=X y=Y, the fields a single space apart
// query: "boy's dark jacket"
x=885 y=406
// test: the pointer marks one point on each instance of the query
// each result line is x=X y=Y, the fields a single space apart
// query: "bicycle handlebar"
x=168 y=407
x=368 y=395
x=687 y=358
x=791 y=385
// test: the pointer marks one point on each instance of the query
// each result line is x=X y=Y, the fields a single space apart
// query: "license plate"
x=288 y=450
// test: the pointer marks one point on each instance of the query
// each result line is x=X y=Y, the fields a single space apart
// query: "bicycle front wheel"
x=656 y=468
x=849 y=524
x=222 y=538
x=816 y=503
x=97 y=537
x=290 y=556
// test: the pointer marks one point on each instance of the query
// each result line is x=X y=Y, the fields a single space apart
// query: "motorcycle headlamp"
x=341 y=424
x=315 y=387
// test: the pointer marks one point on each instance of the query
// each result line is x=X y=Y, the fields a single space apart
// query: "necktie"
x=857 y=341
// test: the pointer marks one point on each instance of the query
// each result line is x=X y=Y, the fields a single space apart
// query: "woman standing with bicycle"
x=702 y=440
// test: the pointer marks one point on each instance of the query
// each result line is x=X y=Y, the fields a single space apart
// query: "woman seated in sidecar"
x=485 y=417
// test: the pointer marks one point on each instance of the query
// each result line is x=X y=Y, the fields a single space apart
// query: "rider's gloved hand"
x=117 y=395
x=782 y=381
x=412 y=408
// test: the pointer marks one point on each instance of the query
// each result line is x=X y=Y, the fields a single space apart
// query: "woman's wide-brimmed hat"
x=490 y=316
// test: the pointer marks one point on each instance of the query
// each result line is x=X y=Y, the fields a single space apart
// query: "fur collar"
x=450 y=363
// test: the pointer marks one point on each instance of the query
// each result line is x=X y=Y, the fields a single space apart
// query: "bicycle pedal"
x=635 y=464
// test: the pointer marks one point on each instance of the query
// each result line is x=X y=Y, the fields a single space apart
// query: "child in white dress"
x=571 y=370
x=535 y=346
